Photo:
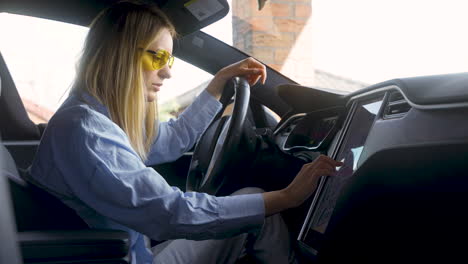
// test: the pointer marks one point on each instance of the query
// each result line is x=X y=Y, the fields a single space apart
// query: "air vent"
x=396 y=106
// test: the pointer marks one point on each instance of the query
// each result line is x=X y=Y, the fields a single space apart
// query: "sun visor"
x=191 y=16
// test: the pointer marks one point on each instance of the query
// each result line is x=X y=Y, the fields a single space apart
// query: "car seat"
x=47 y=230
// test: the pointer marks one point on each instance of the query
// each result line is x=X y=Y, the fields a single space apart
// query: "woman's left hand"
x=251 y=69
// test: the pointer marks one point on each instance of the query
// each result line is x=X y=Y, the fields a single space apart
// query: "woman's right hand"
x=303 y=185
x=306 y=181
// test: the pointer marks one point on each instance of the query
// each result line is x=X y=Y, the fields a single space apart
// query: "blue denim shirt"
x=86 y=160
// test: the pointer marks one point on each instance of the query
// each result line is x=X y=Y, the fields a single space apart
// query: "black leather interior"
x=49 y=231
x=81 y=246
x=403 y=205
x=9 y=252
x=36 y=209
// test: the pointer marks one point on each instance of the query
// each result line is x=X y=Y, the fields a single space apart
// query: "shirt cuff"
x=241 y=213
x=209 y=101
x=202 y=111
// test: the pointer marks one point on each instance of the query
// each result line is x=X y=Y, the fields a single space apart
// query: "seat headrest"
x=14 y=120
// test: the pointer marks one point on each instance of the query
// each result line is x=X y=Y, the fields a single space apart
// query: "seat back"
x=48 y=230
x=14 y=121
x=9 y=252
x=34 y=208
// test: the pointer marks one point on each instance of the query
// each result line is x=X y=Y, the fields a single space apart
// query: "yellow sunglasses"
x=155 y=60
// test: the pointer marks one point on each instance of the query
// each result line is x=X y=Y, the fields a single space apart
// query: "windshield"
x=347 y=45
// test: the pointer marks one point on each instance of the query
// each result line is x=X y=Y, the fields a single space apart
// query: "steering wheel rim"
x=207 y=171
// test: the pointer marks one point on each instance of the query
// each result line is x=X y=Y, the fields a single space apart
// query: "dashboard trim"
x=284 y=148
x=418 y=106
x=288 y=129
x=287 y=122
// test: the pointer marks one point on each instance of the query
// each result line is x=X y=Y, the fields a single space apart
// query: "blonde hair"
x=110 y=68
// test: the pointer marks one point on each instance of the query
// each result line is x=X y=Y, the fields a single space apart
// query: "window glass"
x=346 y=45
x=179 y=91
x=42 y=54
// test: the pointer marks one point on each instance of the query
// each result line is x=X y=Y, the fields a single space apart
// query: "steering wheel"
x=216 y=151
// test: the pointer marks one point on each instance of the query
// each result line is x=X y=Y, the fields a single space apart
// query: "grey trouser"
x=271 y=245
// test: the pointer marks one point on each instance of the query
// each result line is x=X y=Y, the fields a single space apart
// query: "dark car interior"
x=398 y=198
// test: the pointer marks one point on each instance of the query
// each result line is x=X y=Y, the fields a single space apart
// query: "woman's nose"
x=165 y=72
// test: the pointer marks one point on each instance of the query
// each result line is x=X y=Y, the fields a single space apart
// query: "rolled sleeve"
x=242 y=212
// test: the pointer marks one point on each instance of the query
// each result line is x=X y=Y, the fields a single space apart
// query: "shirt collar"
x=93 y=102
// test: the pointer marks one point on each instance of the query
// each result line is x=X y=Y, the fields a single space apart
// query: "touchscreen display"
x=349 y=153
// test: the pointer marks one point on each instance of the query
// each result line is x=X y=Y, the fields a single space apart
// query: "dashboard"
x=341 y=133
x=364 y=131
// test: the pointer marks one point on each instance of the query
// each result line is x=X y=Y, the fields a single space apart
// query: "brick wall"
x=278 y=32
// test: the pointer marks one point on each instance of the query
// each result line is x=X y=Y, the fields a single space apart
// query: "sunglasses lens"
x=147 y=60
x=157 y=64
x=156 y=61
x=171 y=61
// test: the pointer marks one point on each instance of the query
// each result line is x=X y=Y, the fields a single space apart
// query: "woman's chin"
x=150 y=97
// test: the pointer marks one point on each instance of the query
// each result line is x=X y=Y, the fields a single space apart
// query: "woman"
x=94 y=152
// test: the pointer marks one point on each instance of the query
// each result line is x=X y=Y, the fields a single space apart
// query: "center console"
x=351 y=143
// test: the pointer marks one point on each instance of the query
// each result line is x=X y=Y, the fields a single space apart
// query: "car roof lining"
x=81 y=12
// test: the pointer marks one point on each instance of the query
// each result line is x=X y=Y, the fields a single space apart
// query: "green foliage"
x=169 y=109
